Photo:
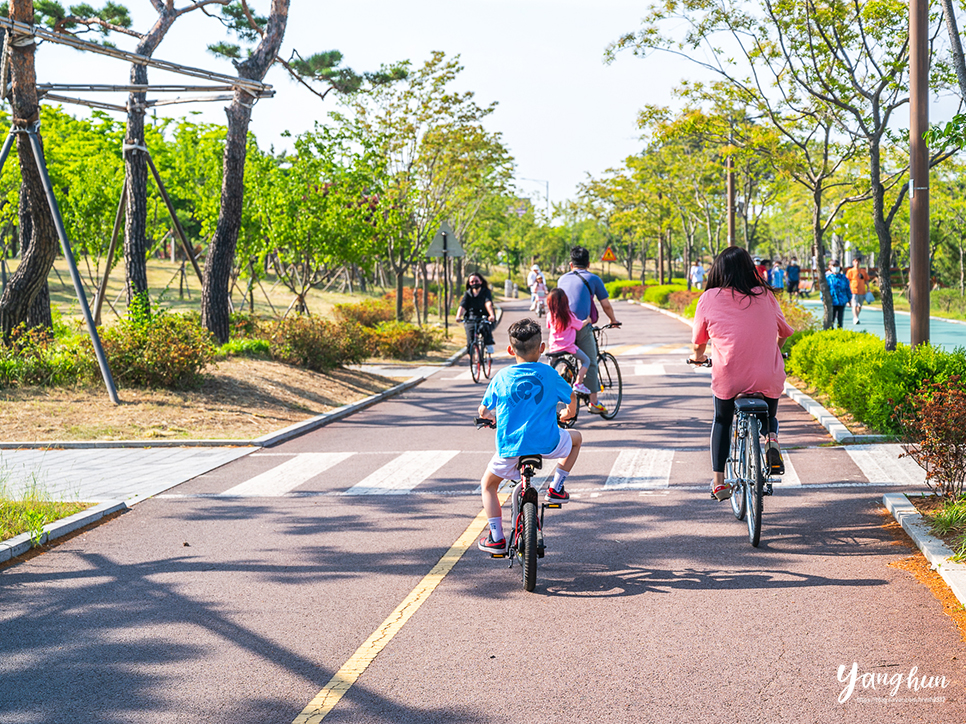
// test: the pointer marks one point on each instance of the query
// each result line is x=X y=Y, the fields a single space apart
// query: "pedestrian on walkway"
x=477 y=304
x=858 y=279
x=696 y=276
x=839 y=291
x=794 y=273
x=777 y=277
x=531 y=284
x=522 y=401
x=746 y=328
x=582 y=289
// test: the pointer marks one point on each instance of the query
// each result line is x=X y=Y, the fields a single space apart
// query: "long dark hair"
x=482 y=278
x=734 y=269
x=558 y=307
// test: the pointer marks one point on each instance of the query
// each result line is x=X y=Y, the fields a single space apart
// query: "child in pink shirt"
x=563 y=325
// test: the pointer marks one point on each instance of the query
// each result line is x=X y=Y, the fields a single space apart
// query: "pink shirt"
x=744 y=333
x=563 y=341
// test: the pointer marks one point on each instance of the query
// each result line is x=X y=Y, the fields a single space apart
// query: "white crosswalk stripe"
x=881 y=464
x=640 y=469
x=649 y=370
x=404 y=473
x=289 y=475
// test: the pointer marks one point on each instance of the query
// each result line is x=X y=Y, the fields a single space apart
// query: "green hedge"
x=859 y=375
x=617 y=289
x=658 y=295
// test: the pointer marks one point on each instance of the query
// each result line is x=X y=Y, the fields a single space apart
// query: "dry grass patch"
x=240 y=399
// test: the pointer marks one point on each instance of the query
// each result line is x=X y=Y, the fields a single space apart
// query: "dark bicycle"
x=525 y=542
x=610 y=386
x=746 y=466
x=481 y=361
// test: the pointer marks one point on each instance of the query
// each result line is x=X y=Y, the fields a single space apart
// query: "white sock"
x=496 y=528
x=559 y=476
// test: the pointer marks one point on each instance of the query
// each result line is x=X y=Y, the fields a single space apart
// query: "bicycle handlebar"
x=484 y=422
x=706 y=363
x=608 y=326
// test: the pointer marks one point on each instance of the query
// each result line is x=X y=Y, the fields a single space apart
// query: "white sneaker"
x=582 y=389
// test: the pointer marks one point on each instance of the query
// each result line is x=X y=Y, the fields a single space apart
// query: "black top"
x=475 y=306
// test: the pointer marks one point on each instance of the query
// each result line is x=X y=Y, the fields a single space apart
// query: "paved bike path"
x=650 y=604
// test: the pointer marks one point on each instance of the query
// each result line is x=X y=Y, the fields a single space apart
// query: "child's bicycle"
x=611 y=387
x=525 y=541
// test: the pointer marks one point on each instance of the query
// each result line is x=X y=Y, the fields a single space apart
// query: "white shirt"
x=697 y=274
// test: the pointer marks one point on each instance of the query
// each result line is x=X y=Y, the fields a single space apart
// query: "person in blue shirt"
x=582 y=288
x=777 y=277
x=839 y=290
x=794 y=274
x=522 y=401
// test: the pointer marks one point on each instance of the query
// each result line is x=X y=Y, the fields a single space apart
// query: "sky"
x=562 y=112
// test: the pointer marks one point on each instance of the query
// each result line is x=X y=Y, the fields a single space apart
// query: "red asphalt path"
x=650 y=604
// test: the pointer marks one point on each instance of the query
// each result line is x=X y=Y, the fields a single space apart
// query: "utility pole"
x=730 y=177
x=919 y=276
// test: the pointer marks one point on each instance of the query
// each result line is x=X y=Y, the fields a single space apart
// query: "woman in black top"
x=477 y=303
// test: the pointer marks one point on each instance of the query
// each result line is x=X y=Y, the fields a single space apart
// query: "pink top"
x=563 y=341
x=744 y=333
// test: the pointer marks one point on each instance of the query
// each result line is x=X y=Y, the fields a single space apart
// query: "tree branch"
x=251 y=18
x=200 y=4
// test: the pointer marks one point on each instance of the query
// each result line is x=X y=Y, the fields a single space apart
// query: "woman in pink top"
x=744 y=323
x=563 y=325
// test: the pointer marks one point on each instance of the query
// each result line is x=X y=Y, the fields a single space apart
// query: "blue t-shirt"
x=839 y=289
x=778 y=278
x=793 y=272
x=578 y=294
x=524 y=398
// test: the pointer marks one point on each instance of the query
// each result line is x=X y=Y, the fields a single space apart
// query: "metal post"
x=112 y=249
x=919 y=276
x=445 y=289
x=730 y=182
x=174 y=217
x=74 y=274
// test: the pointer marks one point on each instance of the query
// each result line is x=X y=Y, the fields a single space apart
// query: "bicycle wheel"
x=734 y=472
x=754 y=482
x=476 y=361
x=611 y=388
x=529 y=545
x=566 y=370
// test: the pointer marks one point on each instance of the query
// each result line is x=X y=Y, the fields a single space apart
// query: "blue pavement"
x=944 y=333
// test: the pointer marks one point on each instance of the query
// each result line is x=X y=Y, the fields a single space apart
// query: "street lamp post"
x=546 y=186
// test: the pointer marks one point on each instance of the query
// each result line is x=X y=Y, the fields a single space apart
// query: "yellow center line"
x=352 y=669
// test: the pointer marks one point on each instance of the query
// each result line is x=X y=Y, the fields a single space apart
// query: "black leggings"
x=838 y=314
x=724 y=413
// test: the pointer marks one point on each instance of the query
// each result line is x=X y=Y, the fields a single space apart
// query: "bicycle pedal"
x=498 y=555
x=553 y=506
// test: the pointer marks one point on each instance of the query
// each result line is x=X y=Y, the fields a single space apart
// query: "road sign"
x=445 y=243
x=608 y=255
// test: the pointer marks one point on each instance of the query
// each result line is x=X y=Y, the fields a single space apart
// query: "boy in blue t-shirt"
x=522 y=400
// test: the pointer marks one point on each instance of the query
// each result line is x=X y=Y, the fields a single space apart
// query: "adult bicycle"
x=525 y=542
x=481 y=361
x=610 y=390
x=746 y=464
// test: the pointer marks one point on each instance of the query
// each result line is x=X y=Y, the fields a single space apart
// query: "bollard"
x=516 y=291
x=507 y=288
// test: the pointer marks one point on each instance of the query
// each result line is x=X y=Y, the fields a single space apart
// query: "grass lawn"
x=30 y=514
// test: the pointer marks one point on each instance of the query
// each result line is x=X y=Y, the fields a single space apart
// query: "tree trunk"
x=30 y=279
x=215 y=303
x=885 y=247
x=818 y=234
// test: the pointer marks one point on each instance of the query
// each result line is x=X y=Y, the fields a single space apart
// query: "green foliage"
x=34 y=358
x=244 y=348
x=401 y=340
x=318 y=344
x=658 y=295
x=157 y=350
x=621 y=287
x=798 y=317
x=863 y=378
x=369 y=312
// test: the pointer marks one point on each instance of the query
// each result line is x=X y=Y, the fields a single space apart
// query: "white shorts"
x=506 y=468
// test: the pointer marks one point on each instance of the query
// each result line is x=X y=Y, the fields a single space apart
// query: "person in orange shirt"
x=858 y=281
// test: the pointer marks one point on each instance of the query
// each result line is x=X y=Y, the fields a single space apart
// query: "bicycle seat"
x=750 y=404
x=535 y=460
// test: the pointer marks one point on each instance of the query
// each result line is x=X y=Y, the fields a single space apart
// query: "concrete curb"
x=839 y=432
x=18 y=545
x=936 y=552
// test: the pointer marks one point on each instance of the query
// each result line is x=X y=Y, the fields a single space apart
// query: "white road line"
x=463 y=376
x=649 y=370
x=790 y=478
x=289 y=475
x=881 y=465
x=404 y=473
x=640 y=469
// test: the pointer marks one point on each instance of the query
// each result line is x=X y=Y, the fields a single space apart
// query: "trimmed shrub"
x=368 y=312
x=401 y=340
x=244 y=348
x=934 y=423
x=621 y=288
x=678 y=301
x=244 y=325
x=160 y=350
x=318 y=344
x=658 y=295
x=34 y=358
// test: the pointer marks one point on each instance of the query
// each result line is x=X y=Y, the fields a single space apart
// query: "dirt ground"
x=240 y=399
